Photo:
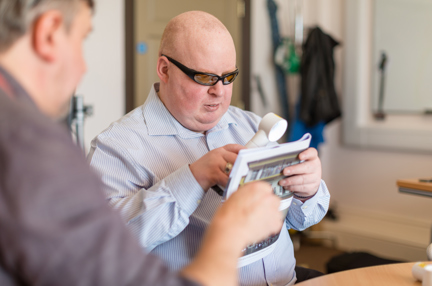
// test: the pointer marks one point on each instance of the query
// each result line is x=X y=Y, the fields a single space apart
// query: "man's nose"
x=217 y=89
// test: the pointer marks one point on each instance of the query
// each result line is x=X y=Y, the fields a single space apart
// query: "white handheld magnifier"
x=271 y=128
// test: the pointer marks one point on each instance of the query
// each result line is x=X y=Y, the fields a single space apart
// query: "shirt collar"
x=13 y=89
x=160 y=121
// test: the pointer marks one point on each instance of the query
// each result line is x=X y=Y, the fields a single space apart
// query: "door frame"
x=130 y=53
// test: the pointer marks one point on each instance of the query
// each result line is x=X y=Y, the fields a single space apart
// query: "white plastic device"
x=271 y=128
x=429 y=252
x=422 y=271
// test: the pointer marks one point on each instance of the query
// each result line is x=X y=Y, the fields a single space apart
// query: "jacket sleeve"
x=56 y=228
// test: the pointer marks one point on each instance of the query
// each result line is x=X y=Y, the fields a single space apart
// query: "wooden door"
x=151 y=17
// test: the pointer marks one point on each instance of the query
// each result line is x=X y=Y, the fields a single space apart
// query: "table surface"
x=383 y=275
x=414 y=184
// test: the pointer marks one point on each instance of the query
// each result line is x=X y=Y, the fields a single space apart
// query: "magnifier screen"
x=277 y=130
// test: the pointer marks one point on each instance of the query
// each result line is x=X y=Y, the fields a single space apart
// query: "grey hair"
x=17 y=16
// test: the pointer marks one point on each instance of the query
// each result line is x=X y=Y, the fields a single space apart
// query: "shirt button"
x=305 y=207
x=294 y=203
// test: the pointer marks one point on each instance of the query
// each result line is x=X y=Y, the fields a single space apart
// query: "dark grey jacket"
x=55 y=225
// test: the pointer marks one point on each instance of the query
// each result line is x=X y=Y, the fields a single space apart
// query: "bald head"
x=200 y=42
x=191 y=30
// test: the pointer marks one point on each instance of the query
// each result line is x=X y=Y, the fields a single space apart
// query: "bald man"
x=159 y=162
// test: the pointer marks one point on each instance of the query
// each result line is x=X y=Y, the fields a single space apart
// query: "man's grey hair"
x=18 y=16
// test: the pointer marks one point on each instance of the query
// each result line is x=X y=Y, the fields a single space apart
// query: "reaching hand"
x=254 y=211
x=305 y=178
x=249 y=215
x=209 y=170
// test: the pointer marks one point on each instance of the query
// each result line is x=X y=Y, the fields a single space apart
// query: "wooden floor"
x=314 y=256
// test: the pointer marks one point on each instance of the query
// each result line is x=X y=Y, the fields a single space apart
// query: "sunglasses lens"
x=230 y=78
x=205 y=79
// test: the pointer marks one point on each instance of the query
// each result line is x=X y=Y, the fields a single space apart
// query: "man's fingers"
x=308 y=189
x=302 y=168
x=304 y=178
x=304 y=184
x=308 y=154
x=253 y=188
x=211 y=170
x=229 y=158
x=299 y=180
x=235 y=148
x=255 y=210
x=223 y=181
x=257 y=190
x=262 y=196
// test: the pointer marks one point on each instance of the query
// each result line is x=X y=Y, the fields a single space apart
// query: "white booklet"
x=265 y=164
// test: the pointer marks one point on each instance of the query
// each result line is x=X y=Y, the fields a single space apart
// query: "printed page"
x=265 y=164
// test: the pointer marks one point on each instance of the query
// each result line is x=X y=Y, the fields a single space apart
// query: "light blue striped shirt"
x=143 y=162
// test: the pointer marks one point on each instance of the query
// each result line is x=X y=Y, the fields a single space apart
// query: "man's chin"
x=206 y=125
x=64 y=112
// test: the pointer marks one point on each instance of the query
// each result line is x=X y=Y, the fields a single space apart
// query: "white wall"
x=262 y=62
x=103 y=84
x=362 y=182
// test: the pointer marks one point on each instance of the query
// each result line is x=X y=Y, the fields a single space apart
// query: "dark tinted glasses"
x=203 y=77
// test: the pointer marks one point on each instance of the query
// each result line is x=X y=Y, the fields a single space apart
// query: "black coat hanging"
x=318 y=101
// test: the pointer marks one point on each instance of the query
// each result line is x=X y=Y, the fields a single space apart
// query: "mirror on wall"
x=401 y=30
x=402 y=56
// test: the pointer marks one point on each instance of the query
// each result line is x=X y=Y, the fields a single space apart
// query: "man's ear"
x=162 y=69
x=47 y=32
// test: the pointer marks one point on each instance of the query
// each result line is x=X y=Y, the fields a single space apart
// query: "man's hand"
x=249 y=215
x=305 y=178
x=252 y=212
x=209 y=170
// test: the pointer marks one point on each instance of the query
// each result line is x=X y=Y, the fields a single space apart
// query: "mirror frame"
x=360 y=129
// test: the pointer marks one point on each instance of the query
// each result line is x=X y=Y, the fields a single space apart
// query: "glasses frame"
x=191 y=73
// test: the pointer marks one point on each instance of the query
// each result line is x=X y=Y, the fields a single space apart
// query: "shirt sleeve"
x=155 y=209
x=303 y=215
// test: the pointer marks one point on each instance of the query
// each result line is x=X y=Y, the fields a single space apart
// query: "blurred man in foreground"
x=56 y=228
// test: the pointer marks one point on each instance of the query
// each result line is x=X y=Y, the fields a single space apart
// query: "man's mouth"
x=212 y=107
